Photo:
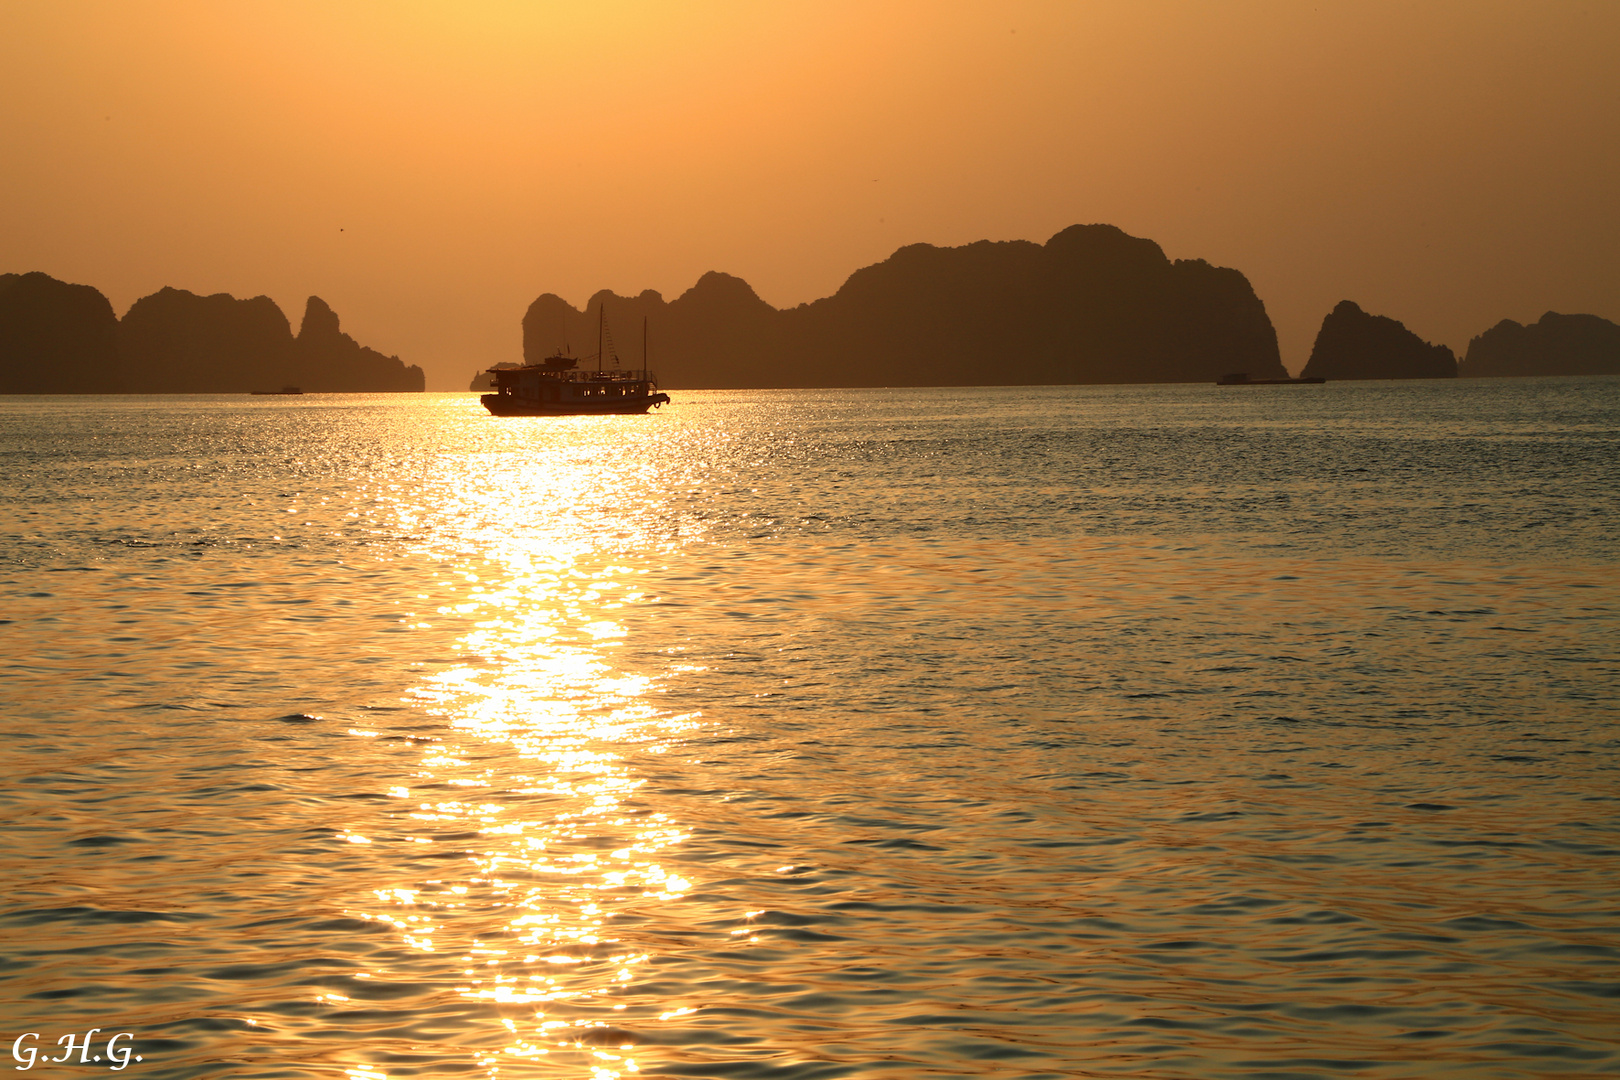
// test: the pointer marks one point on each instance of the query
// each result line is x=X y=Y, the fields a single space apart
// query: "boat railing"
x=581 y=375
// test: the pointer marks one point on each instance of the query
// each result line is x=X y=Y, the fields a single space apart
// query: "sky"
x=430 y=168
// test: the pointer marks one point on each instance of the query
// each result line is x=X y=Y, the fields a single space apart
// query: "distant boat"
x=283 y=390
x=556 y=386
x=1242 y=379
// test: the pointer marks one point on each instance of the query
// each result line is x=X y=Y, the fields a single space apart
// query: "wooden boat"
x=557 y=387
x=1241 y=378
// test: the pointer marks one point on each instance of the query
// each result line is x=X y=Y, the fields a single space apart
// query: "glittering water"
x=1140 y=732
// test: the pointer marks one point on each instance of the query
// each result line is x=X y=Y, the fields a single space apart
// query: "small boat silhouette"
x=1241 y=378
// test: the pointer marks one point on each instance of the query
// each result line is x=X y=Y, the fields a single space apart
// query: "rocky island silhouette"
x=1091 y=305
x=1353 y=344
x=1554 y=345
x=58 y=338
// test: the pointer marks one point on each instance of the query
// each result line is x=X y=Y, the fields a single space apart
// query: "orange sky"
x=430 y=168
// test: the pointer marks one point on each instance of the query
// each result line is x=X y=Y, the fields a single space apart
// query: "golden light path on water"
x=543 y=720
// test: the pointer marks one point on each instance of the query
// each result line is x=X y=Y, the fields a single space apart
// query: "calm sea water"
x=1055 y=732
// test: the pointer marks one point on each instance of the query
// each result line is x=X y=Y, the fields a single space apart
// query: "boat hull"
x=512 y=405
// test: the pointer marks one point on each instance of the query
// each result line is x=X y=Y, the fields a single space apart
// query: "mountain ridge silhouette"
x=60 y=338
x=1354 y=344
x=1091 y=305
x=56 y=337
x=1552 y=345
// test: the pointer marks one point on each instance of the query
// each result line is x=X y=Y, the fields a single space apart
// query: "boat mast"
x=601 y=321
x=644 y=346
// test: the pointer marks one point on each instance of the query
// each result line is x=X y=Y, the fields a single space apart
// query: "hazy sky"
x=430 y=168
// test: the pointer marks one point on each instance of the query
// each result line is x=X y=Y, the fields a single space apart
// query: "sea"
x=1017 y=733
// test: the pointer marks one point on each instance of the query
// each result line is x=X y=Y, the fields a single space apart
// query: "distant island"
x=1554 y=345
x=1355 y=345
x=1091 y=305
x=57 y=338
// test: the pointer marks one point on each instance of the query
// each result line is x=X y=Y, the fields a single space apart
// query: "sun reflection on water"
x=545 y=719
x=532 y=795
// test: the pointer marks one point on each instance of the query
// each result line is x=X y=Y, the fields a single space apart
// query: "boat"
x=1241 y=378
x=557 y=386
x=276 y=393
x=482 y=381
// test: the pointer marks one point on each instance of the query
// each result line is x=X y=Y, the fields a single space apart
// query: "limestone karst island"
x=57 y=338
x=1091 y=305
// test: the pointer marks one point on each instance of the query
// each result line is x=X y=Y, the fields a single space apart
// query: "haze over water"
x=1090 y=731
